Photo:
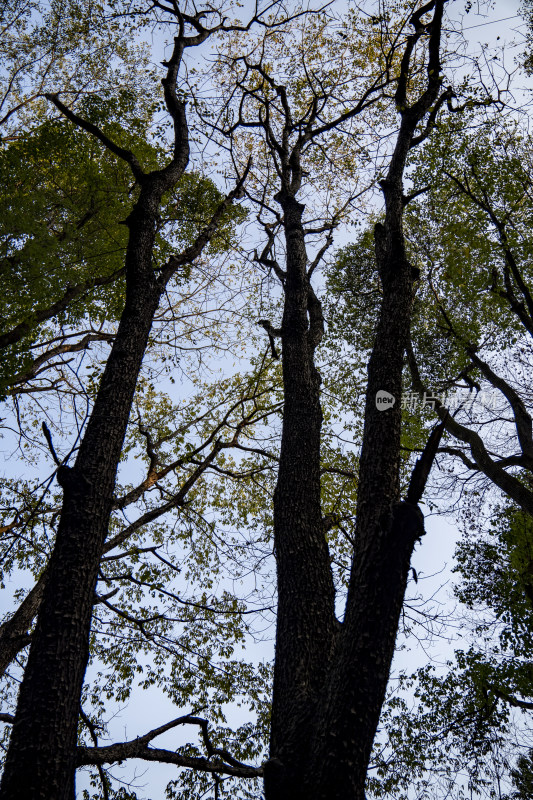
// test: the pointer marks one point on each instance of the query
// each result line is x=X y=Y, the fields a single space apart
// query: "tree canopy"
x=266 y=301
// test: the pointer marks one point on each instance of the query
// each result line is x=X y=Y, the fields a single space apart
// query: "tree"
x=469 y=362
x=498 y=209
x=42 y=751
x=330 y=677
x=50 y=45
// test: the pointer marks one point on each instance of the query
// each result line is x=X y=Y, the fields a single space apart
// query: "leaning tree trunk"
x=40 y=761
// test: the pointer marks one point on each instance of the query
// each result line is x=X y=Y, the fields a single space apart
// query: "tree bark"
x=329 y=691
x=41 y=758
x=386 y=532
x=306 y=621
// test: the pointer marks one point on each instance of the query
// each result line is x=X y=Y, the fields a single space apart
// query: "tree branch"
x=14 y=635
x=507 y=483
x=194 y=250
x=138 y=748
x=71 y=293
x=121 y=152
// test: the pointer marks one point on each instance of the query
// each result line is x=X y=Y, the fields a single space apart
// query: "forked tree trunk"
x=330 y=681
x=329 y=690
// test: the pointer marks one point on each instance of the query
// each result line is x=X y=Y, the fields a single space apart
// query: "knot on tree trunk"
x=407 y=521
x=288 y=201
x=274 y=778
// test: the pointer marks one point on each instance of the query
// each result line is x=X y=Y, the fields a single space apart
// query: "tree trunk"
x=386 y=532
x=328 y=694
x=306 y=621
x=40 y=760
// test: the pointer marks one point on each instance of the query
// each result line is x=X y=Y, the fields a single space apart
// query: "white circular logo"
x=384 y=400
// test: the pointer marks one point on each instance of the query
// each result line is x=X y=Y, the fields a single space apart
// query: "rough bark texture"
x=306 y=621
x=40 y=761
x=329 y=688
x=386 y=531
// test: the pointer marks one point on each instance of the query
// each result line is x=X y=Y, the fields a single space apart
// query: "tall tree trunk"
x=386 y=531
x=324 y=722
x=386 y=528
x=305 y=621
x=40 y=761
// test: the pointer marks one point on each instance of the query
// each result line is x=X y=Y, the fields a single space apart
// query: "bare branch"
x=139 y=748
